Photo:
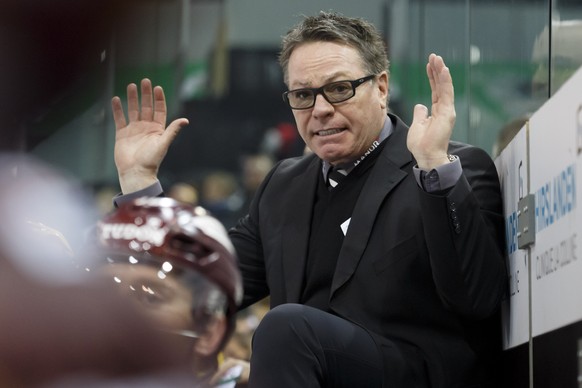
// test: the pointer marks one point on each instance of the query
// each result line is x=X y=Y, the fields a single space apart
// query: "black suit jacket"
x=424 y=273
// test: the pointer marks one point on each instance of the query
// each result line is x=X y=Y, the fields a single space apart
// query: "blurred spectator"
x=254 y=169
x=282 y=141
x=102 y=196
x=183 y=192
x=221 y=197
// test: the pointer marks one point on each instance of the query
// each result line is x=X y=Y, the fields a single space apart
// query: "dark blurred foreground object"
x=54 y=57
x=58 y=327
x=44 y=217
x=75 y=333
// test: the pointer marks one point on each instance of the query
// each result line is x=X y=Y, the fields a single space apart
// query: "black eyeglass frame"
x=354 y=84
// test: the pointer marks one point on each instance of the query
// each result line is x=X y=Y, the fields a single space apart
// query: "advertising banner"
x=512 y=169
x=555 y=136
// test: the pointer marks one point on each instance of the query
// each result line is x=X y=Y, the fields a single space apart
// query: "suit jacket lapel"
x=384 y=177
x=296 y=229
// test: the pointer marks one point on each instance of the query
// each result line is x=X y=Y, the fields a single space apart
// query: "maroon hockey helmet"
x=178 y=240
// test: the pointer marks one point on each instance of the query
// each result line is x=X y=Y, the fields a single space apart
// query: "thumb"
x=172 y=130
x=420 y=114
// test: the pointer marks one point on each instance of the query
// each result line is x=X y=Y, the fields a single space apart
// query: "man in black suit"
x=388 y=274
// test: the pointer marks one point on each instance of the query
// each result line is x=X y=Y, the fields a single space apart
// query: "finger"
x=432 y=77
x=172 y=131
x=160 y=112
x=419 y=115
x=444 y=82
x=147 y=109
x=118 y=115
x=432 y=81
x=132 y=103
x=440 y=79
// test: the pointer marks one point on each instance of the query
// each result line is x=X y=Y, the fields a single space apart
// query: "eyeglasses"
x=333 y=92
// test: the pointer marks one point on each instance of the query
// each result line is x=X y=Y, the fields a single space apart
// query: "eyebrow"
x=338 y=76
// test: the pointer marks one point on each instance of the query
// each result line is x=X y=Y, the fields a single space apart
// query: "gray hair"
x=333 y=27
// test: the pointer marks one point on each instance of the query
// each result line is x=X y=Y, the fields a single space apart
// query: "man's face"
x=341 y=132
x=167 y=301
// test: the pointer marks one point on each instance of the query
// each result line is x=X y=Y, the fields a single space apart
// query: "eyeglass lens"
x=333 y=92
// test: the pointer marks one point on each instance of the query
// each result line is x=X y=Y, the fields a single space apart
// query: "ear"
x=383 y=88
x=209 y=342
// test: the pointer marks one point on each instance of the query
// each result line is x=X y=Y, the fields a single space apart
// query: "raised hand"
x=429 y=135
x=142 y=143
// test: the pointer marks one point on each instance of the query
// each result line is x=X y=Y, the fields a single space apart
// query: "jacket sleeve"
x=465 y=235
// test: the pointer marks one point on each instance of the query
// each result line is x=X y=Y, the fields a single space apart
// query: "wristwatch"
x=452 y=158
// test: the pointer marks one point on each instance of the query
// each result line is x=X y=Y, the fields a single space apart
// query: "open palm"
x=142 y=141
x=428 y=136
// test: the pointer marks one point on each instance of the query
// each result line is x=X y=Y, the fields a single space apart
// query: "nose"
x=322 y=107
